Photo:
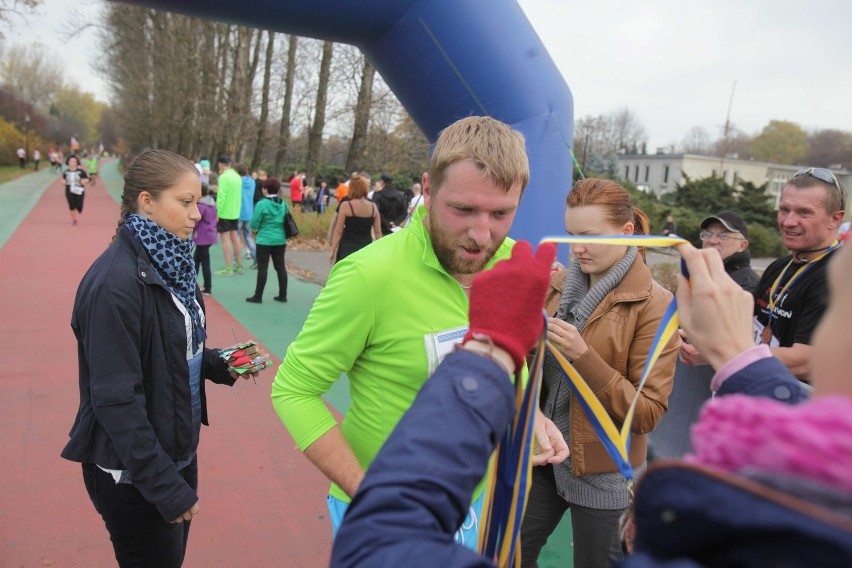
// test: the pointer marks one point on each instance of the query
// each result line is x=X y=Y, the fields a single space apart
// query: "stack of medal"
x=245 y=358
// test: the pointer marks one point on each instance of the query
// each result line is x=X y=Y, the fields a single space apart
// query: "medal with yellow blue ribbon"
x=507 y=488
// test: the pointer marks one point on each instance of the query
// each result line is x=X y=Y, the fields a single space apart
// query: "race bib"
x=440 y=344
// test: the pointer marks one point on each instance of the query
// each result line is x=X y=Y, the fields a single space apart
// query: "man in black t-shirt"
x=792 y=294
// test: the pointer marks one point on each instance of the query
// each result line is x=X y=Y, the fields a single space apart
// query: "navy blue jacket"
x=418 y=489
x=135 y=403
x=416 y=492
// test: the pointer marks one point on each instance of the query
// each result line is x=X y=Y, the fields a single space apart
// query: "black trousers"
x=202 y=259
x=264 y=252
x=140 y=537
x=595 y=531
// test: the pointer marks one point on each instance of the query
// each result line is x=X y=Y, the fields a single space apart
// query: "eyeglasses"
x=707 y=235
x=825 y=175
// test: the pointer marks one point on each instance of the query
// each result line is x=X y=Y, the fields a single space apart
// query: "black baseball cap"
x=224 y=159
x=729 y=220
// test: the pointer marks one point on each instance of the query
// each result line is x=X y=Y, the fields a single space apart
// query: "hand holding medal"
x=245 y=359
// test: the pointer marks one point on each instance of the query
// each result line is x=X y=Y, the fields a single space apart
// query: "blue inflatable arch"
x=444 y=60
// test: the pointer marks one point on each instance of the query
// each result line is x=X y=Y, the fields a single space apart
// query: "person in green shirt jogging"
x=390 y=311
x=92 y=168
x=228 y=203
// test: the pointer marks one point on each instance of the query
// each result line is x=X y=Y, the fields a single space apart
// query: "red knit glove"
x=506 y=302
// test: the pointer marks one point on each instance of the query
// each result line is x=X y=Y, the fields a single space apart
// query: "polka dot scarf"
x=172 y=258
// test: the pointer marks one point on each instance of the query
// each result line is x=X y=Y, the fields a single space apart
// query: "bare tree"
x=362 y=118
x=284 y=128
x=697 y=141
x=315 y=133
x=29 y=74
x=260 y=140
x=9 y=8
x=628 y=131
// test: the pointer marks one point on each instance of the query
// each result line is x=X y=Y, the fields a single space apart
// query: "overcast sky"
x=672 y=62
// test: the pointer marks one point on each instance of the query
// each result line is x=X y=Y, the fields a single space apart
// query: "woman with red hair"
x=606 y=308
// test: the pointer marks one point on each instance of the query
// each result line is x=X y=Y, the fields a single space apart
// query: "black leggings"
x=264 y=252
x=202 y=258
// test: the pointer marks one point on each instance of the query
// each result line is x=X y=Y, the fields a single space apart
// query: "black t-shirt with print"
x=800 y=308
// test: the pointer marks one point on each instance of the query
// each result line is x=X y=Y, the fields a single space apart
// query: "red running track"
x=262 y=503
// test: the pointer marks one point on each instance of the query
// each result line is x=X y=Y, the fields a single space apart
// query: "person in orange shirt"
x=342 y=190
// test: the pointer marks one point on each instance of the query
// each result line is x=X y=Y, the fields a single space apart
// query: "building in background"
x=660 y=173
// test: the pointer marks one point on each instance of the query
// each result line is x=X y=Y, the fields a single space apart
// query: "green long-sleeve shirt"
x=370 y=322
x=230 y=195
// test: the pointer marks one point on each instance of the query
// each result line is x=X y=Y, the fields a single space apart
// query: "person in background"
x=228 y=206
x=670 y=226
x=322 y=197
x=357 y=222
x=204 y=236
x=417 y=197
x=606 y=309
x=728 y=233
x=391 y=203
x=205 y=171
x=53 y=158
x=22 y=157
x=389 y=312
x=75 y=178
x=36 y=158
x=296 y=189
x=267 y=223
x=259 y=177
x=92 y=167
x=342 y=189
x=246 y=211
x=139 y=322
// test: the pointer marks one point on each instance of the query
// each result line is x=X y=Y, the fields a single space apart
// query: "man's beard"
x=447 y=252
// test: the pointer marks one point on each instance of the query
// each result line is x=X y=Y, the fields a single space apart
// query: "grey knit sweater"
x=593 y=490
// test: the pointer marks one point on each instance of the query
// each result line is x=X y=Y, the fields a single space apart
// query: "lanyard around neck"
x=775 y=293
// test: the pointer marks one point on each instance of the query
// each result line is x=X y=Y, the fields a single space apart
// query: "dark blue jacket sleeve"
x=768 y=378
x=418 y=489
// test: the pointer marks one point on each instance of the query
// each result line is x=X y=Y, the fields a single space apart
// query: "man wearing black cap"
x=390 y=203
x=728 y=233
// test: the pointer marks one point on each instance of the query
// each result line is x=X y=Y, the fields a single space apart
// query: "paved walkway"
x=262 y=503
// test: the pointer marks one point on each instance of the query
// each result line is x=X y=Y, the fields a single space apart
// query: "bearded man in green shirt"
x=390 y=311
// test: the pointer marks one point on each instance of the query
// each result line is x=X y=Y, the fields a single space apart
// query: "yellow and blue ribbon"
x=507 y=487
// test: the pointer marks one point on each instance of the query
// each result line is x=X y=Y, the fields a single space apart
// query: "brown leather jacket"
x=619 y=334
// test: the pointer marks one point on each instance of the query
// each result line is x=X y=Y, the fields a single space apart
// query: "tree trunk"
x=284 y=129
x=362 y=118
x=236 y=93
x=315 y=133
x=260 y=141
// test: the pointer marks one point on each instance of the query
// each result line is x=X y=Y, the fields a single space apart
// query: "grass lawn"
x=8 y=173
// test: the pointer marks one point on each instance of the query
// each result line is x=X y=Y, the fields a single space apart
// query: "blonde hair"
x=496 y=149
